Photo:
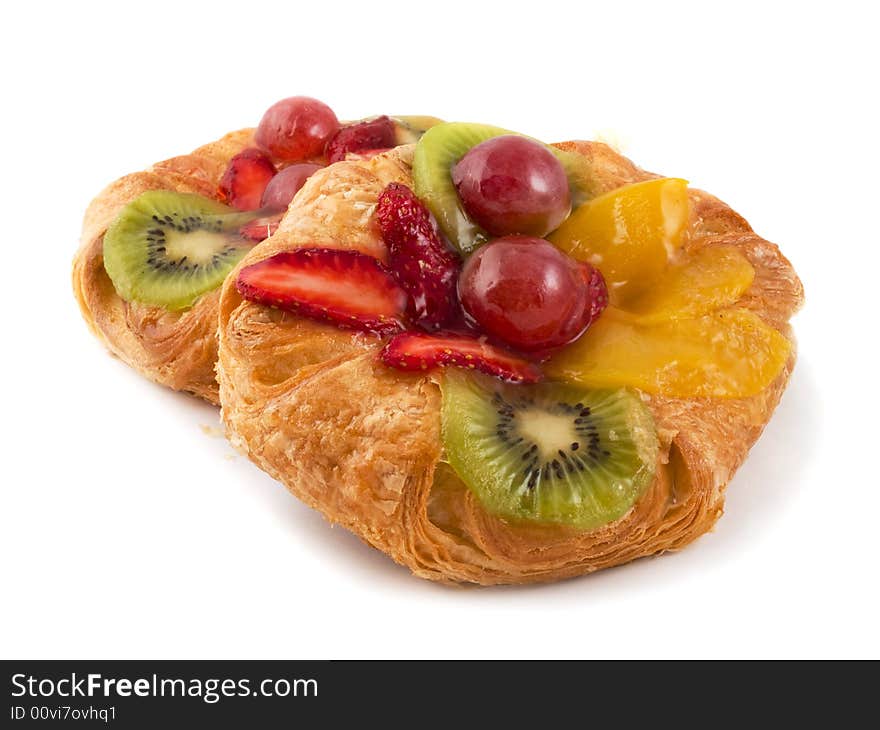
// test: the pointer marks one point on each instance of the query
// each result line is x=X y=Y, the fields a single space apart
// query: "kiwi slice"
x=549 y=453
x=167 y=248
x=441 y=147
x=409 y=129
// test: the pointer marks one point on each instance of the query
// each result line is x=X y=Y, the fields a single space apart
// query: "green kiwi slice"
x=408 y=129
x=549 y=453
x=437 y=152
x=167 y=248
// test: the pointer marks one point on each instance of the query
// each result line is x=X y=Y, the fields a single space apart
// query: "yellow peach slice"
x=709 y=279
x=730 y=353
x=628 y=233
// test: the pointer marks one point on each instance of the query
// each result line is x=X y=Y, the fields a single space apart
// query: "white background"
x=126 y=531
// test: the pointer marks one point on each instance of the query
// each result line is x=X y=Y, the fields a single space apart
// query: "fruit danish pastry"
x=156 y=245
x=499 y=361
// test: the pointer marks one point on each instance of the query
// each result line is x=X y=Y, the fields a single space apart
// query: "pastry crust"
x=176 y=349
x=360 y=442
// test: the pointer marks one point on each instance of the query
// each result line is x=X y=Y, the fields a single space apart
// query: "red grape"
x=281 y=188
x=296 y=128
x=529 y=294
x=512 y=184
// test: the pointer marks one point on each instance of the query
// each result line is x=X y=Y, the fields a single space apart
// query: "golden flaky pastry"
x=176 y=349
x=360 y=442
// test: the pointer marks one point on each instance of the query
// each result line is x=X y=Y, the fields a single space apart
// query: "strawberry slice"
x=426 y=267
x=418 y=351
x=260 y=229
x=348 y=288
x=378 y=133
x=245 y=179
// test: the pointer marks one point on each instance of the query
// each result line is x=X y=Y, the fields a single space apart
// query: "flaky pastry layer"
x=313 y=407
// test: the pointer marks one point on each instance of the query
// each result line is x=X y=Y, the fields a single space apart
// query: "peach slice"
x=730 y=353
x=709 y=279
x=629 y=233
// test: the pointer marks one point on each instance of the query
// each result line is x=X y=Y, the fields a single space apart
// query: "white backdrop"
x=129 y=528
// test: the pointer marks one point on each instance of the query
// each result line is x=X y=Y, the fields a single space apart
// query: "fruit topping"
x=417 y=352
x=281 y=188
x=512 y=184
x=731 y=353
x=441 y=148
x=549 y=453
x=373 y=134
x=421 y=260
x=345 y=287
x=409 y=129
x=167 y=249
x=260 y=229
x=709 y=279
x=527 y=293
x=629 y=233
x=296 y=128
x=245 y=179
x=671 y=330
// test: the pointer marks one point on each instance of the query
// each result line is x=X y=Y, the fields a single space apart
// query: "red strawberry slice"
x=260 y=229
x=245 y=179
x=417 y=351
x=348 y=288
x=426 y=267
x=370 y=135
